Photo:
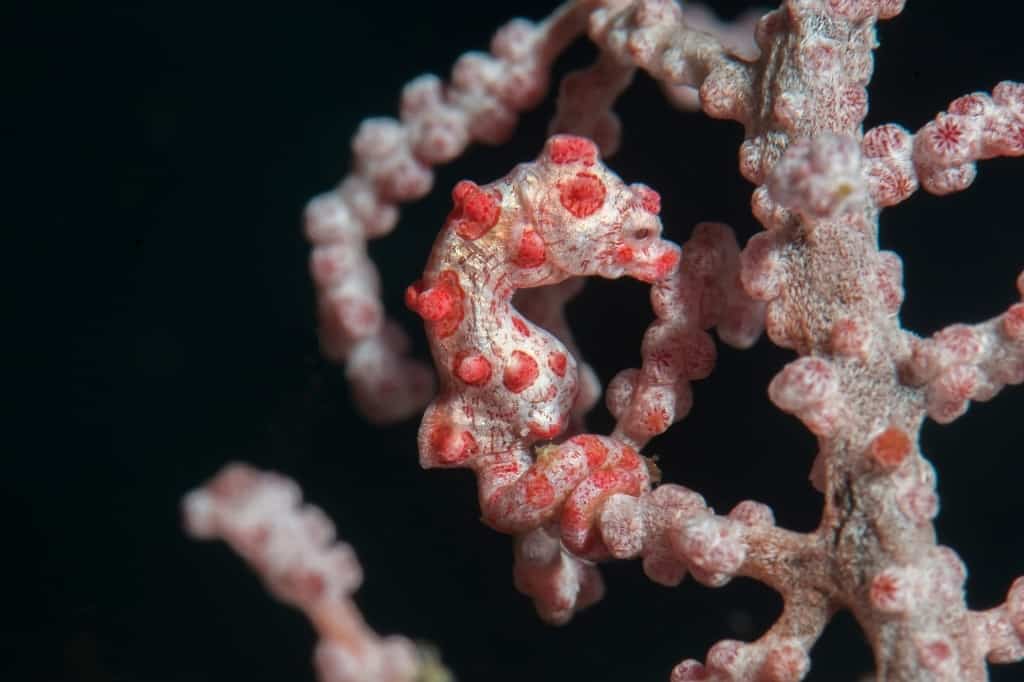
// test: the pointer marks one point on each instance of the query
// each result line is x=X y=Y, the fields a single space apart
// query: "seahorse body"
x=506 y=383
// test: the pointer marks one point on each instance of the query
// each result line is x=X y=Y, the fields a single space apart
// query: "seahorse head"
x=587 y=220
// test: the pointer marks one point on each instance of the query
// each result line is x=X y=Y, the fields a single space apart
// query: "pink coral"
x=510 y=407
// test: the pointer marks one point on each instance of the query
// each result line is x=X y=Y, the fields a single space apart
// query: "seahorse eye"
x=641 y=234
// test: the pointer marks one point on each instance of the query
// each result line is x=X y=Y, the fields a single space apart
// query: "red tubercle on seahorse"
x=440 y=305
x=451 y=445
x=539 y=491
x=530 y=252
x=520 y=326
x=520 y=372
x=472 y=368
x=547 y=431
x=650 y=200
x=476 y=210
x=594 y=449
x=557 y=362
x=582 y=195
x=565 y=149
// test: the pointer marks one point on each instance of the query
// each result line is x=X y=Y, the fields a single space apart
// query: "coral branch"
x=974 y=127
x=704 y=292
x=1001 y=630
x=559 y=583
x=585 y=99
x=736 y=37
x=941 y=156
x=962 y=363
x=293 y=548
x=676 y=533
x=653 y=35
x=780 y=655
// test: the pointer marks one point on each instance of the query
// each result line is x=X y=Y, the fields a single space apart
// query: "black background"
x=162 y=324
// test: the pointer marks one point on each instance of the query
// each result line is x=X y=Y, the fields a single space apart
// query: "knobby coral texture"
x=513 y=390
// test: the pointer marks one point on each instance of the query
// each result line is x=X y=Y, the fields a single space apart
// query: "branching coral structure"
x=513 y=390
